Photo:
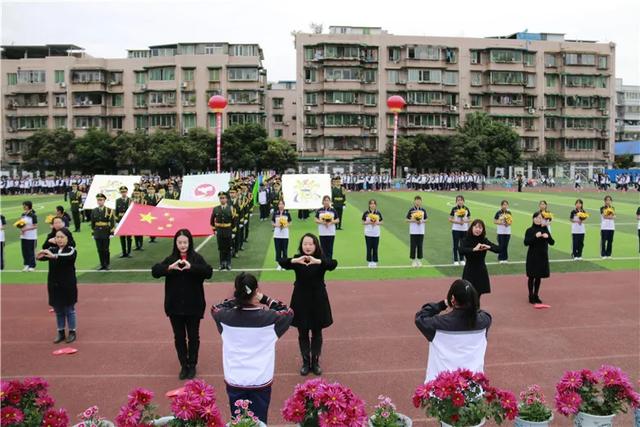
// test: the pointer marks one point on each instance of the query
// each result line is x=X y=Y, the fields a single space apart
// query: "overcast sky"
x=107 y=29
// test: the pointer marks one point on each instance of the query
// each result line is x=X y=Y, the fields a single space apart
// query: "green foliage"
x=548 y=159
x=94 y=152
x=242 y=147
x=279 y=156
x=624 y=162
x=132 y=151
x=50 y=150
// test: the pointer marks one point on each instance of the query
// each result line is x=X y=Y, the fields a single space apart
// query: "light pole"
x=217 y=104
x=395 y=103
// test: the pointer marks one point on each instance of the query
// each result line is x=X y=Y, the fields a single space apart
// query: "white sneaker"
x=414 y=263
x=462 y=263
x=26 y=268
x=456 y=263
x=419 y=263
x=604 y=257
x=374 y=265
x=278 y=267
x=31 y=269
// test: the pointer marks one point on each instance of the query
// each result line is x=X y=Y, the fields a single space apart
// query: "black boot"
x=536 y=299
x=315 y=365
x=306 y=365
x=72 y=337
x=531 y=300
x=184 y=372
x=191 y=372
x=60 y=337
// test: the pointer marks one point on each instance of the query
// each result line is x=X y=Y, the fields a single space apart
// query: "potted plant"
x=464 y=399
x=194 y=406
x=243 y=417
x=386 y=416
x=317 y=403
x=532 y=409
x=90 y=418
x=138 y=411
x=595 y=398
x=28 y=403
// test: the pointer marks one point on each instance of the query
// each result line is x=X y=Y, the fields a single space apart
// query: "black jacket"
x=475 y=269
x=52 y=234
x=428 y=321
x=184 y=290
x=310 y=301
x=538 y=252
x=62 y=285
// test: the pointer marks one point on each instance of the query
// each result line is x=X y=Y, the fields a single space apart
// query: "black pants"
x=339 y=210
x=103 y=251
x=457 y=236
x=533 y=283
x=372 y=248
x=578 y=244
x=259 y=397
x=75 y=213
x=326 y=243
x=281 y=248
x=125 y=243
x=29 y=252
x=503 y=244
x=310 y=344
x=264 y=211
x=239 y=239
x=1 y=255
x=606 y=242
x=303 y=214
x=223 y=235
x=186 y=327
x=246 y=229
x=415 y=245
x=138 y=240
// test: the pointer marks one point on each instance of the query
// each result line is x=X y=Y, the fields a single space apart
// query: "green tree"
x=168 y=152
x=95 y=152
x=201 y=144
x=547 y=160
x=132 y=151
x=624 y=161
x=242 y=147
x=432 y=152
x=404 y=153
x=279 y=156
x=50 y=150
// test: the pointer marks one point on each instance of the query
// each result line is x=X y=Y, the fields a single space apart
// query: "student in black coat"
x=474 y=247
x=57 y=224
x=310 y=301
x=62 y=285
x=184 y=271
x=537 y=238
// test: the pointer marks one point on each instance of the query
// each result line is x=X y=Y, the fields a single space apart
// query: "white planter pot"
x=104 y=423
x=587 y=420
x=443 y=424
x=406 y=421
x=524 y=423
x=163 y=421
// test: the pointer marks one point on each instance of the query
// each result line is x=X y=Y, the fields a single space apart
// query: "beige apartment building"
x=558 y=94
x=162 y=87
x=281 y=110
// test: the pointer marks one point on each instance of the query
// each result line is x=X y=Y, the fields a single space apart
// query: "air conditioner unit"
x=11 y=130
x=185 y=103
x=443 y=124
x=113 y=83
x=63 y=84
x=374 y=131
x=542 y=108
x=307 y=131
x=453 y=108
x=605 y=133
x=183 y=85
x=605 y=112
x=232 y=101
x=307 y=108
x=60 y=104
x=402 y=82
x=467 y=105
x=531 y=110
x=308 y=81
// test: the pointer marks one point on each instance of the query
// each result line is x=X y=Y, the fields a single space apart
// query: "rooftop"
x=40 y=51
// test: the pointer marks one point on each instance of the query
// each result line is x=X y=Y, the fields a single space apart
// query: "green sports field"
x=349 y=250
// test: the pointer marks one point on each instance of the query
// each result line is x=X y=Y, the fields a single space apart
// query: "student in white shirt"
x=280 y=221
x=3 y=222
x=29 y=236
x=416 y=231
x=263 y=202
x=504 y=231
x=607 y=228
x=577 y=230
x=327 y=218
x=372 y=219
x=459 y=226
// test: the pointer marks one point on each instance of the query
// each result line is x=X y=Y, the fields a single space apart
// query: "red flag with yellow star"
x=145 y=220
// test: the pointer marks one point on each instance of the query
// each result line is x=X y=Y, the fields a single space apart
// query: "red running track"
x=125 y=340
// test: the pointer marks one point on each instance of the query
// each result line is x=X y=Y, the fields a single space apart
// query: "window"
x=507 y=77
x=333 y=74
x=60 y=122
x=550 y=102
x=370 y=99
x=602 y=62
x=141 y=122
x=12 y=79
x=86 y=122
x=58 y=76
x=277 y=118
x=579 y=59
x=87 y=99
x=310 y=75
x=138 y=54
x=188 y=121
x=424 y=98
x=31 y=76
x=60 y=100
x=550 y=123
x=551 y=80
x=507 y=99
x=26 y=123
x=393 y=76
x=188 y=98
x=115 y=78
x=451 y=55
x=213 y=49
x=243 y=97
x=423 y=52
x=450 y=78
x=476 y=101
x=96 y=76
x=277 y=133
x=241 y=118
x=140 y=100
x=578 y=144
x=116 y=122
x=244 y=50
x=141 y=77
x=369 y=76
x=346 y=52
x=308 y=54
x=531 y=80
x=278 y=103
x=425 y=75
x=164 y=73
x=341 y=98
x=506 y=56
x=310 y=98
x=214 y=74
x=162 y=98
x=529 y=59
x=549 y=60
x=163 y=52
x=310 y=120
x=585 y=80
x=243 y=74
x=432 y=120
x=475 y=56
x=162 y=120
x=369 y=121
x=394 y=54
x=187 y=49
x=476 y=78
x=117 y=100
x=342 y=120
x=188 y=74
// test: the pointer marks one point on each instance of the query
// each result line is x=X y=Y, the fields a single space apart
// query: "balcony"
x=585 y=155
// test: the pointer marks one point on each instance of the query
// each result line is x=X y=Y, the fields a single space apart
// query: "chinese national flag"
x=144 y=220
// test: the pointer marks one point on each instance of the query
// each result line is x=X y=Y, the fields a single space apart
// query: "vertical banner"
x=109 y=185
x=305 y=191
x=204 y=188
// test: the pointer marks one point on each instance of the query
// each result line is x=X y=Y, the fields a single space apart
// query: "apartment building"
x=627 y=112
x=162 y=87
x=558 y=94
x=281 y=110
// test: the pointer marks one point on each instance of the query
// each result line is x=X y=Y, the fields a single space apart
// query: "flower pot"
x=104 y=423
x=163 y=421
x=259 y=424
x=406 y=421
x=587 y=420
x=519 y=422
x=443 y=424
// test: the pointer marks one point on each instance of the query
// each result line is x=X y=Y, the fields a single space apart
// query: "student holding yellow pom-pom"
x=607 y=227
x=327 y=218
x=547 y=216
x=372 y=219
x=577 y=218
x=503 y=220
x=416 y=218
x=460 y=217
x=280 y=221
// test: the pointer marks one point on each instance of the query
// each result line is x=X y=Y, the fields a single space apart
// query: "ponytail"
x=467 y=300
x=245 y=286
